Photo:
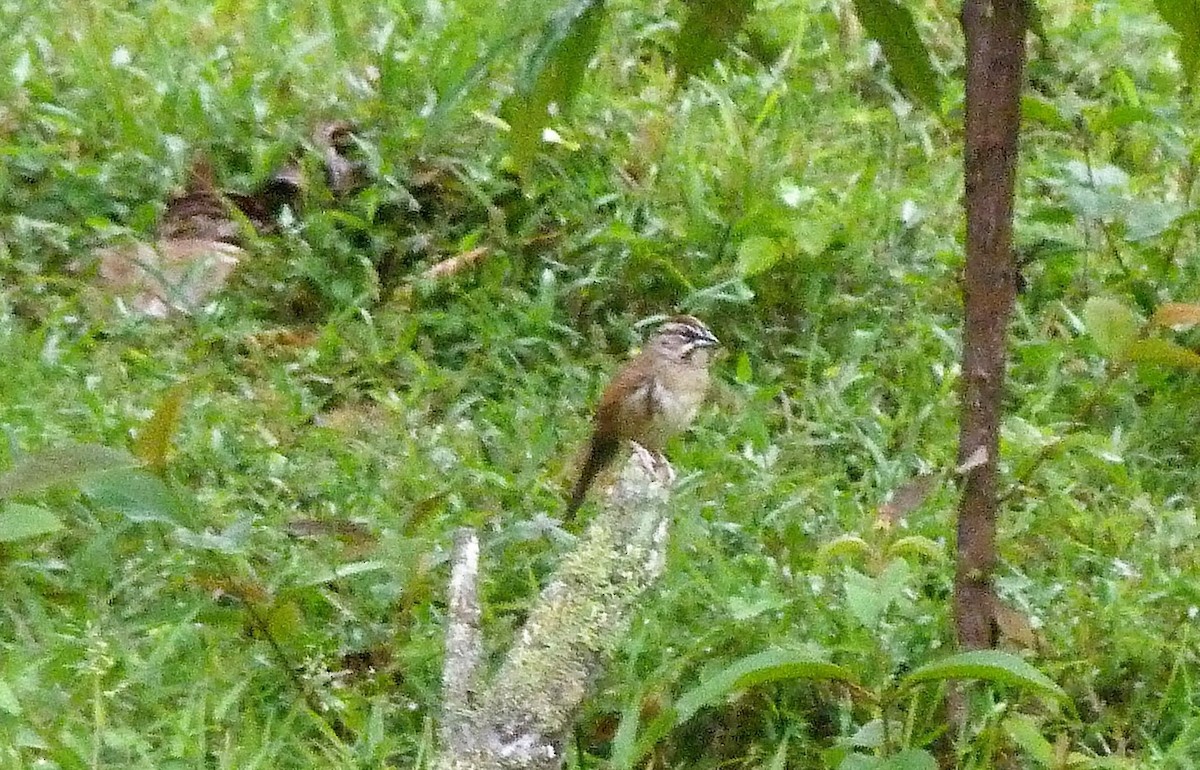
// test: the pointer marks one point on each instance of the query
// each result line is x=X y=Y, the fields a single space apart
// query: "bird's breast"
x=672 y=400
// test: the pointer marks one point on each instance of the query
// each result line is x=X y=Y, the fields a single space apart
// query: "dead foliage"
x=904 y=500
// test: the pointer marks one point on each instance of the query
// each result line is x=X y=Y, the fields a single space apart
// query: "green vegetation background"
x=791 y=197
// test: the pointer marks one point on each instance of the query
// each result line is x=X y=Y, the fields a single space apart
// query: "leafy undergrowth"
x=265 y=590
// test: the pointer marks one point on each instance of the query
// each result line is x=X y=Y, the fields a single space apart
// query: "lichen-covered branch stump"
x=521 y=718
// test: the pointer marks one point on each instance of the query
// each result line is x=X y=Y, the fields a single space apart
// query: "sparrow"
x=653 y=397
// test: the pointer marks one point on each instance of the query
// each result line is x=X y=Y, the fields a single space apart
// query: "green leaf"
x=779 y=759
x=8 y=700
x=1038 y=109
x=843 y=545
x=910 y=759
x=658 y=729
x=551 y=76
x=892 y=25
x=344 y=571
x=63 y=465
x=863 y=597
x=1183 y=16
x=624 y=742
x=706 y=32
x=868 y=598
x=989 y=665
x=757 y=254
x=1164 y=352
x=918 y=545
x=285 y=620
x=744 y=372
x=21 y=522
x=1025 y=733
x=135 y=494
x=344 y=40
x=154 y=440
x=1113 y=325
x=768 y=666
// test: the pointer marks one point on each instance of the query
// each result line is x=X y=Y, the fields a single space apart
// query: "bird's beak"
x=709 y=340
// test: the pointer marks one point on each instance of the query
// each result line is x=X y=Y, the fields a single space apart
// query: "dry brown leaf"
x=273 y=341
x=335 y=139
x=1016 y=629
x=362 y=663
x=1177 y=315
x=351 y=531
x=173 y=276
x=243 y=589
x=455 y=264
x=444 y=269
x=352 y=419
x=904 y=500
x=199 y=212
x=263 y=206
x=428 y=176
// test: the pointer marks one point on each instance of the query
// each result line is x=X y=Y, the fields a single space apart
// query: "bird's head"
x=684 y=339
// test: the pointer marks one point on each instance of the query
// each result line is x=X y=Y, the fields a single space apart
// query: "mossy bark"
x=521 y=718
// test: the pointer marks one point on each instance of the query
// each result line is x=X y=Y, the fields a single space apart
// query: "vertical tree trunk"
x=995 y=37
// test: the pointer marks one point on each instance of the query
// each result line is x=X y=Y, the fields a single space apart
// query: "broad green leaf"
x=767 y=666
x=1164 y=352
x=869 y=736
x=154 y=440
x=757 y=254
x=1038 y=109
x=551 y=76
x=135 y=494
x=1113 y=325
x=1026 y=734
x=1183 y=16
x=892 y=25
x=1177 y=315
x=868 y=598
x=21 y=522
x=64 y=465
x=706 y=32
x=989 y=665
x=863 y=597
x=910 y=759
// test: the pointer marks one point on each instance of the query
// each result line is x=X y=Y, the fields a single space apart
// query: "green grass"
x=315 y=392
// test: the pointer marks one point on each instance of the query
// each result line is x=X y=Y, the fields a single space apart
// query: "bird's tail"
x=600 y=454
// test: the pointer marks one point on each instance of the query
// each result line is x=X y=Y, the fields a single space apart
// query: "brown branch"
x=995 y=40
